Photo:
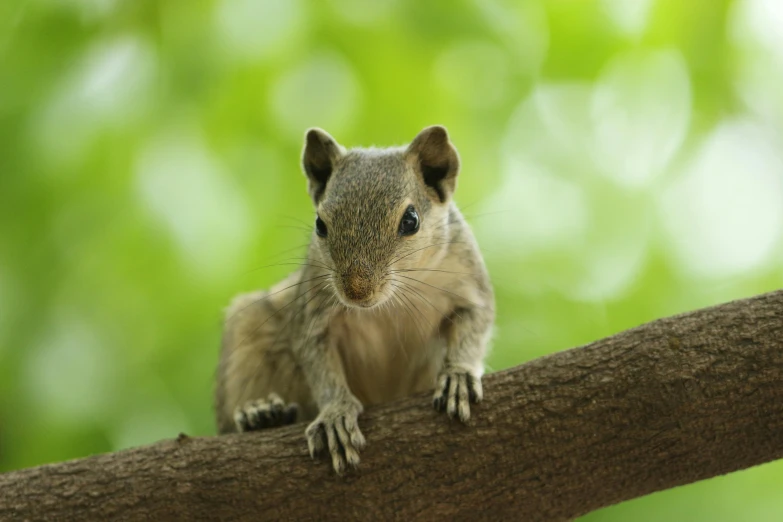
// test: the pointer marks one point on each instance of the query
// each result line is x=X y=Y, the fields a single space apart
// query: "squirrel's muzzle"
x=357 y=282
x=357 y=287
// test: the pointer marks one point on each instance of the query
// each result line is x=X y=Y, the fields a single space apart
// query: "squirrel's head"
x=381 y=214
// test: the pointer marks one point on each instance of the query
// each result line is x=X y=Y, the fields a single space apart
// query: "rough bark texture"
x=665 y=404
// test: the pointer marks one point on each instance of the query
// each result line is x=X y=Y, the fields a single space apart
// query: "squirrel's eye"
x=320 y=226
x=410 y=222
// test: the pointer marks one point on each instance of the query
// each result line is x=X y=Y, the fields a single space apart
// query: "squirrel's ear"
x=434 y=157
x=320 y=154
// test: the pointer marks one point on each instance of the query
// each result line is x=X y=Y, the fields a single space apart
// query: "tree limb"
x=668 y=403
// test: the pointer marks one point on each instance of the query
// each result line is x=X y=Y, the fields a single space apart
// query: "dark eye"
x=320 y=226
x=410 y=222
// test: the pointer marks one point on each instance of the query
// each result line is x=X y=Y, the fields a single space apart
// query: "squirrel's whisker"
x=297 y=227
x=442 y=290
x=315 y=263
x=430 y=270
x=418 y=315
x=398 y=259
x=289 y=263
x=292 y=301
x=267 y=296
x=450 y=220
x=279 y=254
x=298 y=220
x=423 y=298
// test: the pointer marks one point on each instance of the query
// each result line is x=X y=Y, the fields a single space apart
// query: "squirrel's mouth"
x=363 y=297
x=371 y=301
x=362 y=304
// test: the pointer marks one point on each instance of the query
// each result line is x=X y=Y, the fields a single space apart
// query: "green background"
x=621 y=162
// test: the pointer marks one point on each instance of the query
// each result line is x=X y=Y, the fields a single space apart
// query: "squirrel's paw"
x=337 y=429
x=454 y=392
x=265 y=413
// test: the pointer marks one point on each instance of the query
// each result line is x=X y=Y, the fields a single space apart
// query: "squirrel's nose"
x=357 y=280
x=357 y=287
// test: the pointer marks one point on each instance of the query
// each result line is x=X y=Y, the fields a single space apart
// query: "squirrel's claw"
x=338 y=426
x=454 y=392
x=265 y=413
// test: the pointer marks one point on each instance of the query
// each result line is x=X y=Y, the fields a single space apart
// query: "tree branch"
x=668 y=403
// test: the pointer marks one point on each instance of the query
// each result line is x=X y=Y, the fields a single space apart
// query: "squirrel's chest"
x=388 y=355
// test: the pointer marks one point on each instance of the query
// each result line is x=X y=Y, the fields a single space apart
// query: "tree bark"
x=668 y=403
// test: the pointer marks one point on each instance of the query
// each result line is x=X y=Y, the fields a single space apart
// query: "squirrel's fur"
x=374 y=314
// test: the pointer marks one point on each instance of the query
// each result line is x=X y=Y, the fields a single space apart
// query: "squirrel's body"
x=393 y=299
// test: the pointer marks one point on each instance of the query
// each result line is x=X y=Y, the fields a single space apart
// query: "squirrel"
x=392 y=299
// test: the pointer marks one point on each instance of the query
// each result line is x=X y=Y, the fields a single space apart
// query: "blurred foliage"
x=621 y=162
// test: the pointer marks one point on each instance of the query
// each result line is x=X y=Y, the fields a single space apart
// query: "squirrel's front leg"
x=459 y=381
x=336 y=428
